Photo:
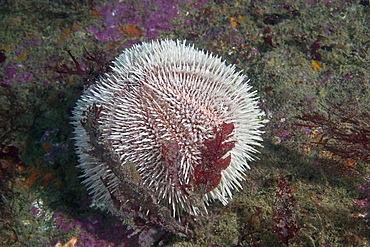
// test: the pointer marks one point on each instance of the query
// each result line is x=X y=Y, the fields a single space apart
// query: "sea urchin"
x=170 y=126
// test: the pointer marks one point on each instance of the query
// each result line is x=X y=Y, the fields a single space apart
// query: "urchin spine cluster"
x=182 y=120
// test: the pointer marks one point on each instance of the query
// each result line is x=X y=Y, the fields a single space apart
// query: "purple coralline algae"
x=93 y=231
x=151 y=16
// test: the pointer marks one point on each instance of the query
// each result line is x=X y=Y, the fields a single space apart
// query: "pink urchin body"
x=175 y=122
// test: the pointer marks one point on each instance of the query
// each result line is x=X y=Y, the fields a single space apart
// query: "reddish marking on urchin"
x=170 y=152
x=207 y=174
x=171 y=155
